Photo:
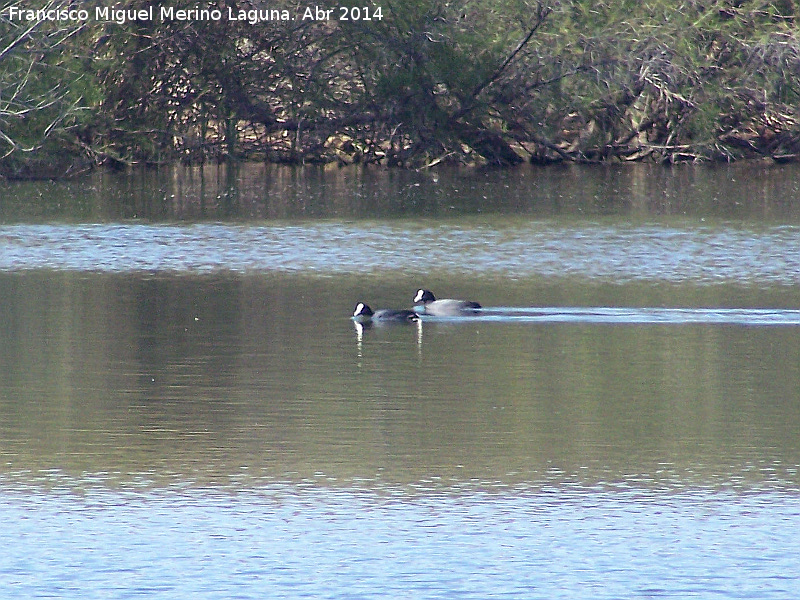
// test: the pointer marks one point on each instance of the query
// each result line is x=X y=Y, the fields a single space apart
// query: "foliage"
x=431 y=80
x=707 y=80
x=45 y=88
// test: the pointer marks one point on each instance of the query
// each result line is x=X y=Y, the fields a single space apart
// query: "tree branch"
x=542 y=14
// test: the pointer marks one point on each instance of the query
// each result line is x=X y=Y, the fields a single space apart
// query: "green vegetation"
x=430 y=81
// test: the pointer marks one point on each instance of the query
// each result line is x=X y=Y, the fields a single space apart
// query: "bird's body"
x=427 y=303
x=364 y=314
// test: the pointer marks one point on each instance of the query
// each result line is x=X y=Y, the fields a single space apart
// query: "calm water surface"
x=186 y=409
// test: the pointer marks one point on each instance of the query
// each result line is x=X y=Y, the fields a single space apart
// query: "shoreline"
x=57 y=171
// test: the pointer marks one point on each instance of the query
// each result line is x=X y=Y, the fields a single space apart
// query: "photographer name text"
x=120 y=16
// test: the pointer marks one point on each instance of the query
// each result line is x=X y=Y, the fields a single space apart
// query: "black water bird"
x=428 y=304
x=364 y=314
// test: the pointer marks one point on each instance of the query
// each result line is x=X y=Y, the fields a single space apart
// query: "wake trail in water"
x=631 y=316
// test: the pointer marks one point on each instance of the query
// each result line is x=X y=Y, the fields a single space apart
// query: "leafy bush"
x=430 y=81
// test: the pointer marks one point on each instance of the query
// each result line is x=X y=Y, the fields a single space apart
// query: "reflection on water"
x=724 y=253
x=188 y=410
x=326 y=543
x=753 y=191
x=135 y=377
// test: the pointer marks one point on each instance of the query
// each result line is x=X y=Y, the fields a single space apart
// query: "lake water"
x=187 y=410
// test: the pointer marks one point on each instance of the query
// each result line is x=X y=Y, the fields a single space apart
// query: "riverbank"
x=412 y=86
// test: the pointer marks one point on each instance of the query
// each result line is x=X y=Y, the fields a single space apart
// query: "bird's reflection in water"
x=362 y=328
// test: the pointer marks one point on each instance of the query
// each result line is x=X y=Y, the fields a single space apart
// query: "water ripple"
x=629 y=253
x=630 y=316
x=321 y=543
